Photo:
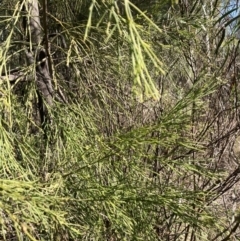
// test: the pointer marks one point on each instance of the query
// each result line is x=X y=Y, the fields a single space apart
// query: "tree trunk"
x=36 y=56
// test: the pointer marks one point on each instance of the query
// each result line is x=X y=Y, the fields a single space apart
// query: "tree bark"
x=36 y=56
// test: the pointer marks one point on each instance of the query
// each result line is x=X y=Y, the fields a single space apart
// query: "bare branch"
x=13 y=77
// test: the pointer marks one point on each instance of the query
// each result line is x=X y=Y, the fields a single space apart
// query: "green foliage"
x=142 y=129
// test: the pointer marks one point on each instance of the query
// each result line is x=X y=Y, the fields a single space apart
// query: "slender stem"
x=45 y=29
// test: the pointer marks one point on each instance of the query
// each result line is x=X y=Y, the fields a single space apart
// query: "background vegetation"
x=119 y=120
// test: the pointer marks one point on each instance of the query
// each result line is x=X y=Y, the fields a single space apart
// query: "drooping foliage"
x=119 y=120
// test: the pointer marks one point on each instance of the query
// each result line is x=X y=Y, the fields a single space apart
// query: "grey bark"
x=37 y=56
x=12 y=77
